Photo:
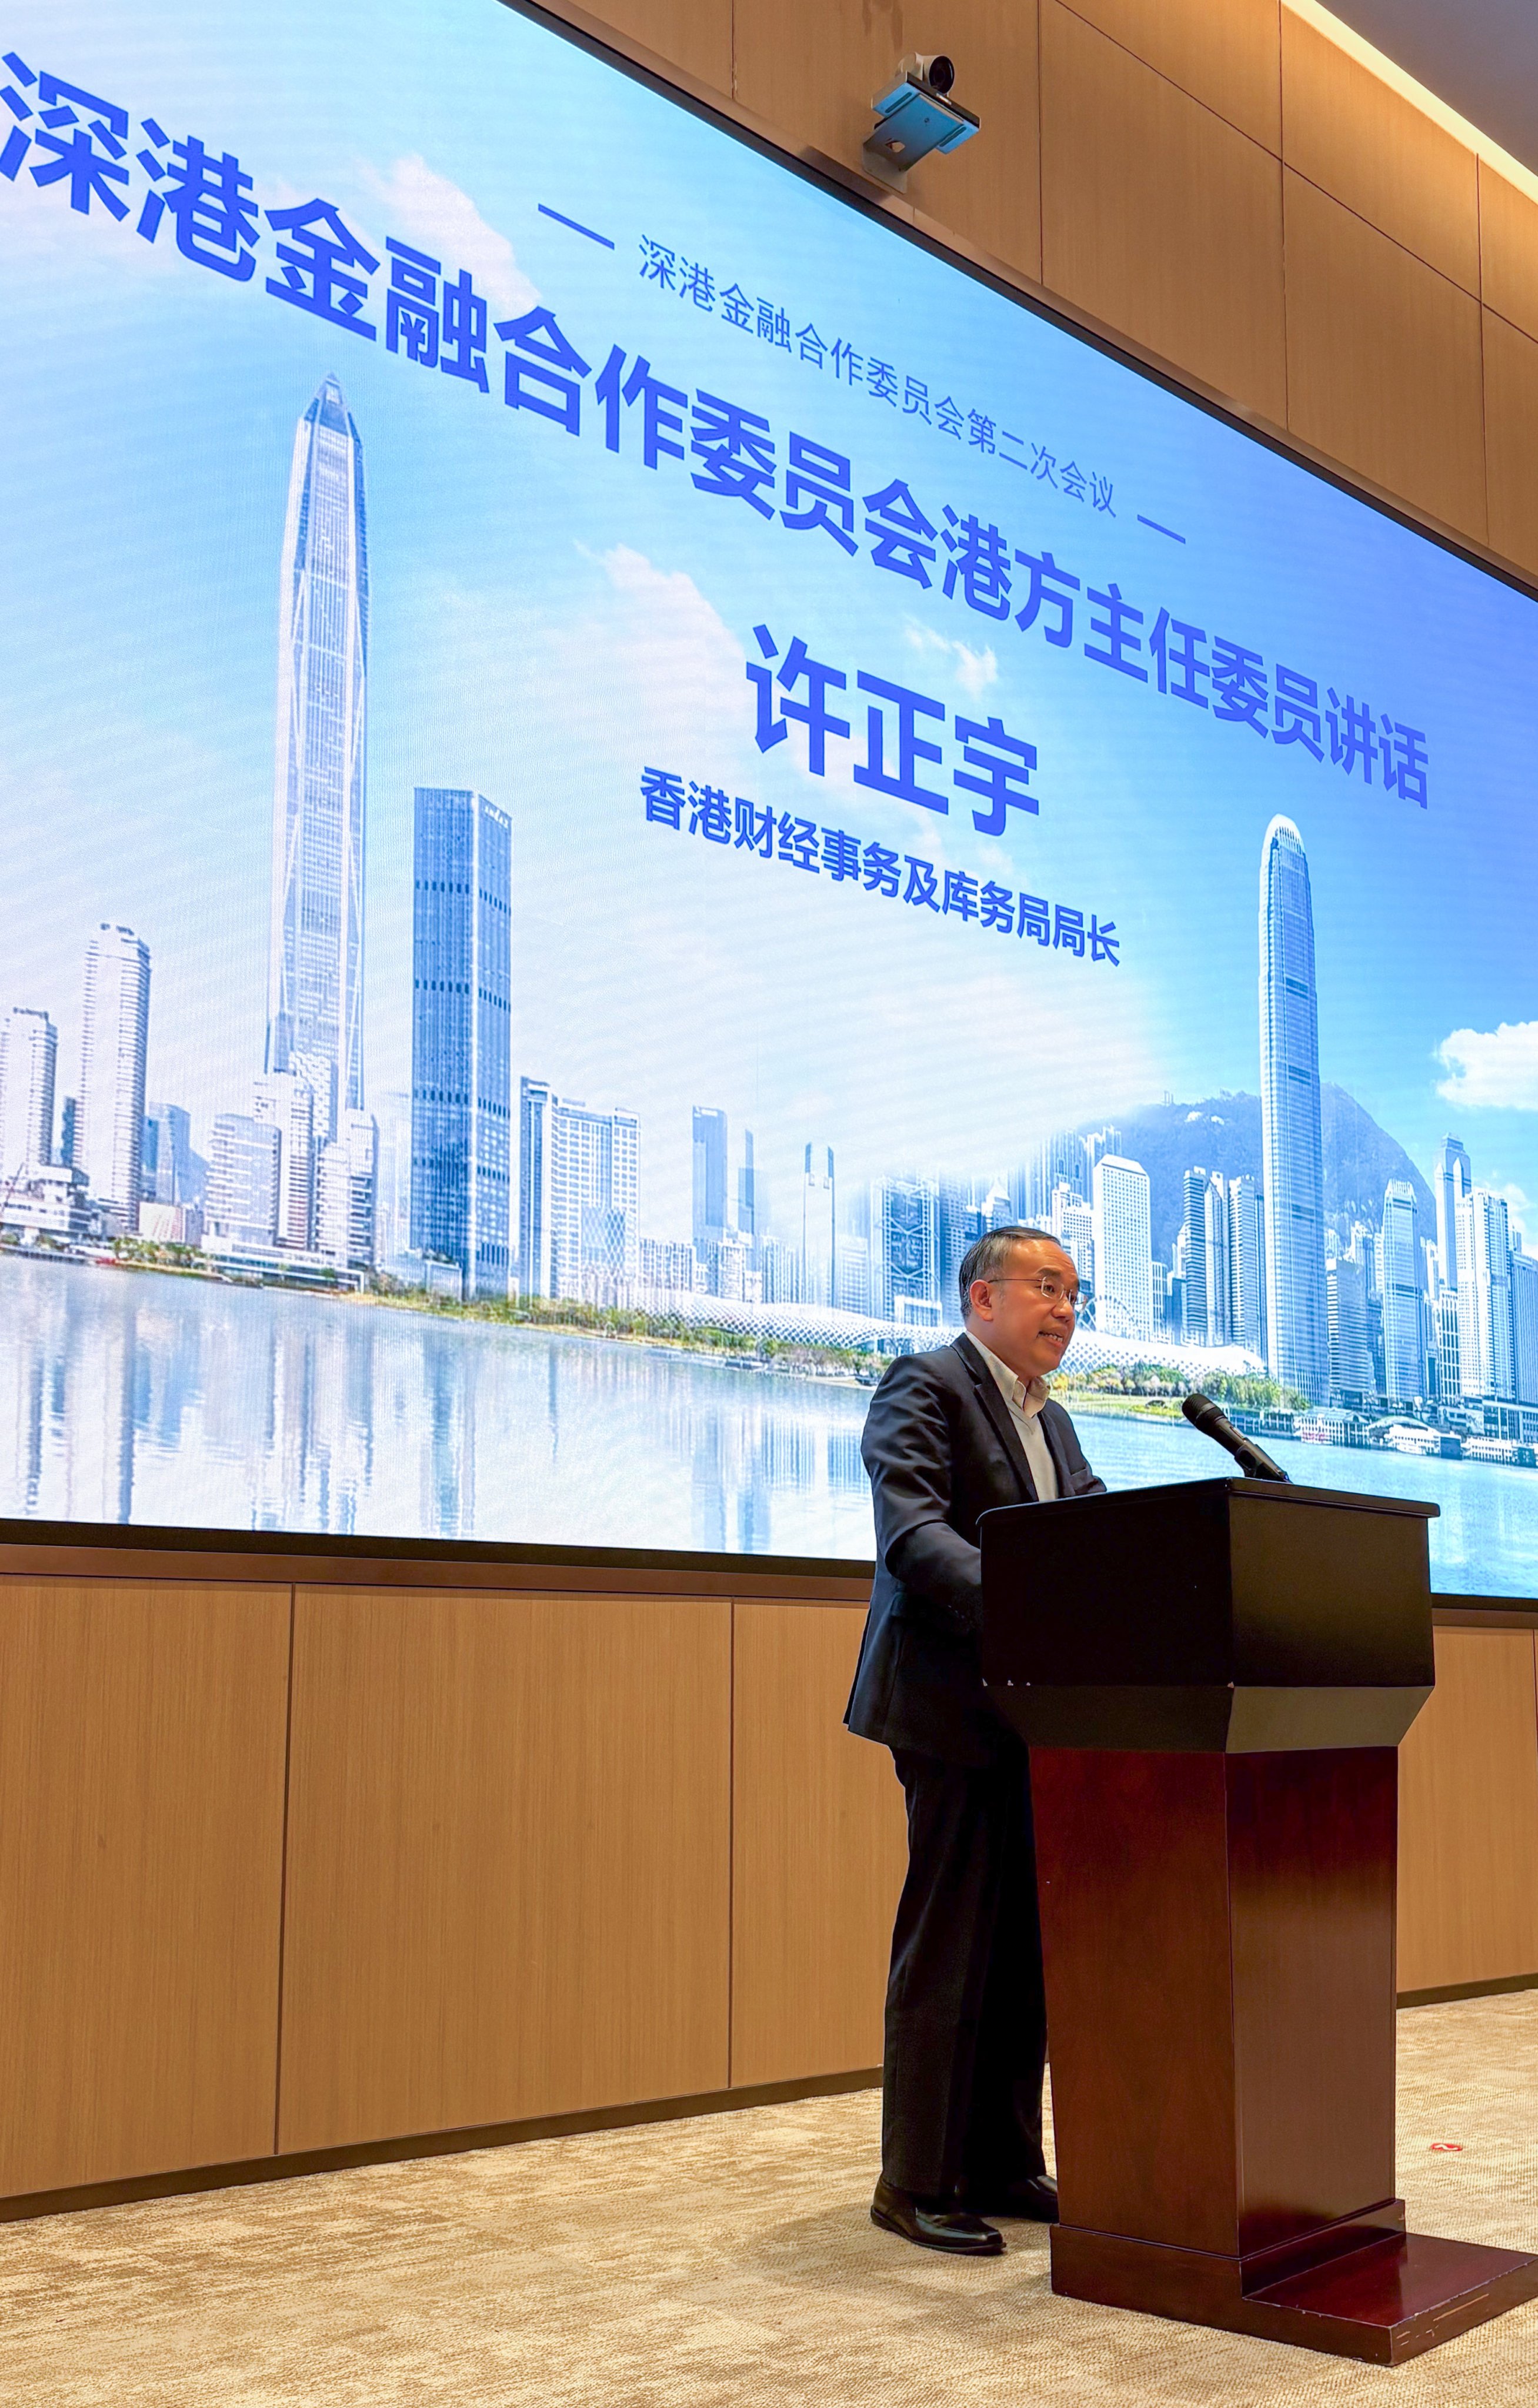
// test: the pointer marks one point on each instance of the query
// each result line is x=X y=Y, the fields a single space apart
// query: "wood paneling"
x=507 y=1859
x=141 y=1822
x=1508 y=250
x=1228 y=57
x=1369 y=147
x=1383 y=361
x=814 y=69
x=1511 y=441
x=1158 y=217
x=819 y=1851
x=1468 y=1901
x=694 y=35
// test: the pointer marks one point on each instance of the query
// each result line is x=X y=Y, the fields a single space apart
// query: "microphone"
x=1253 y=1460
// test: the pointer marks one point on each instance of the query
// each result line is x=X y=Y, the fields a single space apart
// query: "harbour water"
x=141 y=1397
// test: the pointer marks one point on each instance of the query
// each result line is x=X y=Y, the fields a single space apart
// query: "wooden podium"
x=1213 y=1679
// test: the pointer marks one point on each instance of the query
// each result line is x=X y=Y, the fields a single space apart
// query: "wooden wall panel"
x=1511 y=441
x=1158 y=217
x=694 y=35
x=819 y=1851
x=812 y=68
x=1508 y=250
x=1383 y=361
x=142 y=1733
x=1468 y=1901
x=1227 y=56
x=1370 y=147
x=508 y=1858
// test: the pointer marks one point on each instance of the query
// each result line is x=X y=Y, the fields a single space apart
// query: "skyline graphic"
x=401 y=976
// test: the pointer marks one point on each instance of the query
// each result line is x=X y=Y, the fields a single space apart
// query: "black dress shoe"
x=1031 y=2196
x=933 y=2223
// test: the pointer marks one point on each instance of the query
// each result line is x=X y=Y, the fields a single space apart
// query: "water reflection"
x=140 y=1396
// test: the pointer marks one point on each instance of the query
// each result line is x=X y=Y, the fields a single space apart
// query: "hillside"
x=1223 y=1133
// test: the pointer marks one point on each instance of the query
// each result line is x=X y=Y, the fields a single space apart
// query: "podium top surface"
x=1214 y=1583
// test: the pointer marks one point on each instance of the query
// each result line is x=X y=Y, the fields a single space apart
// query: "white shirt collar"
x=1028 y=1396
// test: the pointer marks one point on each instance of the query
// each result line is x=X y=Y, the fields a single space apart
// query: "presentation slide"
x=604 y=760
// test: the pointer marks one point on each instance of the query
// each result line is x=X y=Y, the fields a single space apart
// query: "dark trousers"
x=965 y=2011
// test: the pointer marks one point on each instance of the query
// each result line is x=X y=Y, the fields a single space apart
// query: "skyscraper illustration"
x=462 y=1036
x=315 y=971
x=29 y=1052
x=1246 y=1266
x=819 y=1227
x=114 y=1046
x=1398 y=1284
x=1123 y=1259
x=1292 y=1141
x=710 y=1178
x=1484 y=1296
x=577 y=1226
x=1451 y=1182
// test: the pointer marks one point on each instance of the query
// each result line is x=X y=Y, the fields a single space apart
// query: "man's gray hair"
x=987 y=1257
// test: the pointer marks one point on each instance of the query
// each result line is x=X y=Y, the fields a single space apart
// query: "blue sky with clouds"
x=549 y=616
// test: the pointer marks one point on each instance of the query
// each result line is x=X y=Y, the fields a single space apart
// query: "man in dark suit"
x=949 y=1435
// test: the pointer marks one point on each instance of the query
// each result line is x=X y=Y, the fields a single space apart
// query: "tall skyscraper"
x=1451 y=1181
x=1524 y=1325
x=951 y=1215
x=462 y=1036
x=29 y=1054
x=904 y=1285
x=114 y=1047
x=1073 y=1223
x=168 y=1171
x=577 y=1197
x=1122 y=1248
x=1399 y=1282
x=244 y=1177
x=282 y=1099
x=1351 y=1380
x=1484 y=1296
x=749 y=1197
x=711 y=1221
x=1215 y=1217
x=819 y=1227
x=346 y=1183
x=1292 y=1141
x=1246 y=1266
x=1059 y=1160
x=1444 y=1316
x=1193 y=1262
x=315 y=974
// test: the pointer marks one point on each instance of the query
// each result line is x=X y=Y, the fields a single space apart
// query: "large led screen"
x=606 y=759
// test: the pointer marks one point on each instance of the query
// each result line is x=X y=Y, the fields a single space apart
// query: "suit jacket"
x=940 y=1448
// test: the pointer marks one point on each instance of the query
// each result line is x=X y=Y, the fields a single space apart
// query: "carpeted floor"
x=722 y=2263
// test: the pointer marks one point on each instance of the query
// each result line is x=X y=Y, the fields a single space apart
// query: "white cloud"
x=1491 y=1069
x=425 y=209
x=972 y=670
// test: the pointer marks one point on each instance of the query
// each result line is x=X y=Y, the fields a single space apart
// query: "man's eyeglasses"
x=1048 y=1286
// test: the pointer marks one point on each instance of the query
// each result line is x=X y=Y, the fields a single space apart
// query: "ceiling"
x=1479 y=56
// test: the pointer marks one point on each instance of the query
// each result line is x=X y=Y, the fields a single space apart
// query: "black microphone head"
x=1197 y=1408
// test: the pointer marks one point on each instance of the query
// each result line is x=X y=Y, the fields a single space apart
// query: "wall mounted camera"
x=918 y=115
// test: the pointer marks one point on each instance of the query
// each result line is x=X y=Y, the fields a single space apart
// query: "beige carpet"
x=728 y=2260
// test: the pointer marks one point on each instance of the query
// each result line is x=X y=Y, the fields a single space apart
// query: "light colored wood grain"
x=1228 y=57
x=812 y=69
x=1508 y=251
x=694 y=35
x=507 y=1861
x=1370 y=147
x=1383 y=361
x=1468 y=1898
x=1511 y=441
x=1160 y=217
x=819 y=1851
x=141 y=1821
